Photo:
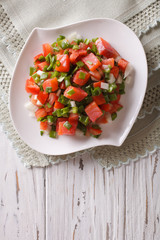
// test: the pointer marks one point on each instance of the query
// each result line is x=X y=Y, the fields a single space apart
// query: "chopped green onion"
x=112 y=87
x=58 y=63
x=96 y=126
x=49 y=105
x=32 y=70
x=58 y=113
x=81 y=109
x=45 y=68
x=61 y=37
x=41 y=88
x=62 y=99
x=82 y=128
x=48 y=58
x=96 y=91
x=89 y=62
x=82 y=75
x=84 y=119
x=48 y=89
x=76 y=47
x=41 y=119
x=44 y=76
x=67 y=125
x=74 y=109
x=122 y=88
x=66 y=52
x=113 y=116
x=41 y=133
x=41 y=58
x=61 y=79
x=56 y=49
x=50 y=119
x=70 y=92
x=106 y=97
x=36 y=77
x=76 y=68
x=55 y=74
x=78 y=41
x=67 y=82
x=113 y=97
x=80 y=64
x=65 y=110
x=52 y=134
x=94 y=39
x=87 y=41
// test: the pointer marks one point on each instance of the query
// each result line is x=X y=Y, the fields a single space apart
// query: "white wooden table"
x=78 y=200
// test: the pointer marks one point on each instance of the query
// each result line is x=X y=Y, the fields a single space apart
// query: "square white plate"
x=114 y=133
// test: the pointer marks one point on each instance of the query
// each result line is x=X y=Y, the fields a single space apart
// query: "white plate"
x=114 y=133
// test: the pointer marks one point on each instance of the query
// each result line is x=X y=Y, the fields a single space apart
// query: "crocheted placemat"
x=144 y=137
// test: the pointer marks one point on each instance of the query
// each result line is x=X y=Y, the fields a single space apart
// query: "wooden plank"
x=22 y=194
x=84 y=201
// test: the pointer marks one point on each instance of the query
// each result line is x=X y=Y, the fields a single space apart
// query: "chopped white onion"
x=104 y=66
x=39 y=72
x=111 y=78
x=58 y=92
x=73 y=36
x=30 y=106
x=104 y=85
x=117 y=58
x=119 y=79
x=35 y=97
x=128 y=70
x=39 y=103
x=73 y=104
x=108 y=117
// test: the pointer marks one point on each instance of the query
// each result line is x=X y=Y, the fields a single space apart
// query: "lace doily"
x=145 y=134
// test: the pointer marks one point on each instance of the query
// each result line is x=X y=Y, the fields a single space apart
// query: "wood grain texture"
x=79 y=200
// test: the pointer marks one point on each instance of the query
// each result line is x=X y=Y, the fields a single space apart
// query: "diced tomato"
x=76 y=54
x=47 y=48
x=52 y=98
x=81 y=80
x=91 y=61
x=44 y=125
x=115 y=107
x=62 y=85
x=42 y=97
x=102 y=119
x=73 y=116
x=83 y=46
x=58 y=105
x=64 y=131
x=78 y=94
x=106 y=107
x=122 y=64
x=97 y=84
x=115 y=71
x=36 y=64
x=33 y=100
x=37 y=56
x=94 y=131
x=117 y=100
x=64 y=62
x=60 y=120
x=41 y=65
x=48 y=108
x=105 y=49
x=108 y=61
x=99 y=99
x=93 y=111
x=53 y=83
x=40 y=113
x=31 y=86
x=95 y=74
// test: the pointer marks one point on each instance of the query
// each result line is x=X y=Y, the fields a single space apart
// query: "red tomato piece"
x=115 y=107
x=97 y=84
x=33 y=100
x=62 y=85
x=102 y=119
x=48 y=108
x=37 y=56
x=95 y=74
x=105 y=49
x=108 y=61
x=47 y=48
x=122 y=64
x=64 y=131
x=64 y=62
x=83 y=46
x=76 y=54
x=117 y=100
x=106 y=107
x=94 y=131
x=73 y=116
x=53 y=83
x=44 y=125
x=91 y=61
x=81 y=77
x=42 y=97
x=58 y=121
x=52 y=98
x=99 y=99
x=115 y=71
x=58 y=105
x=40 y=113
x=93 y=111
x=77 y=94
x=41 y=65
x=31 y=86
